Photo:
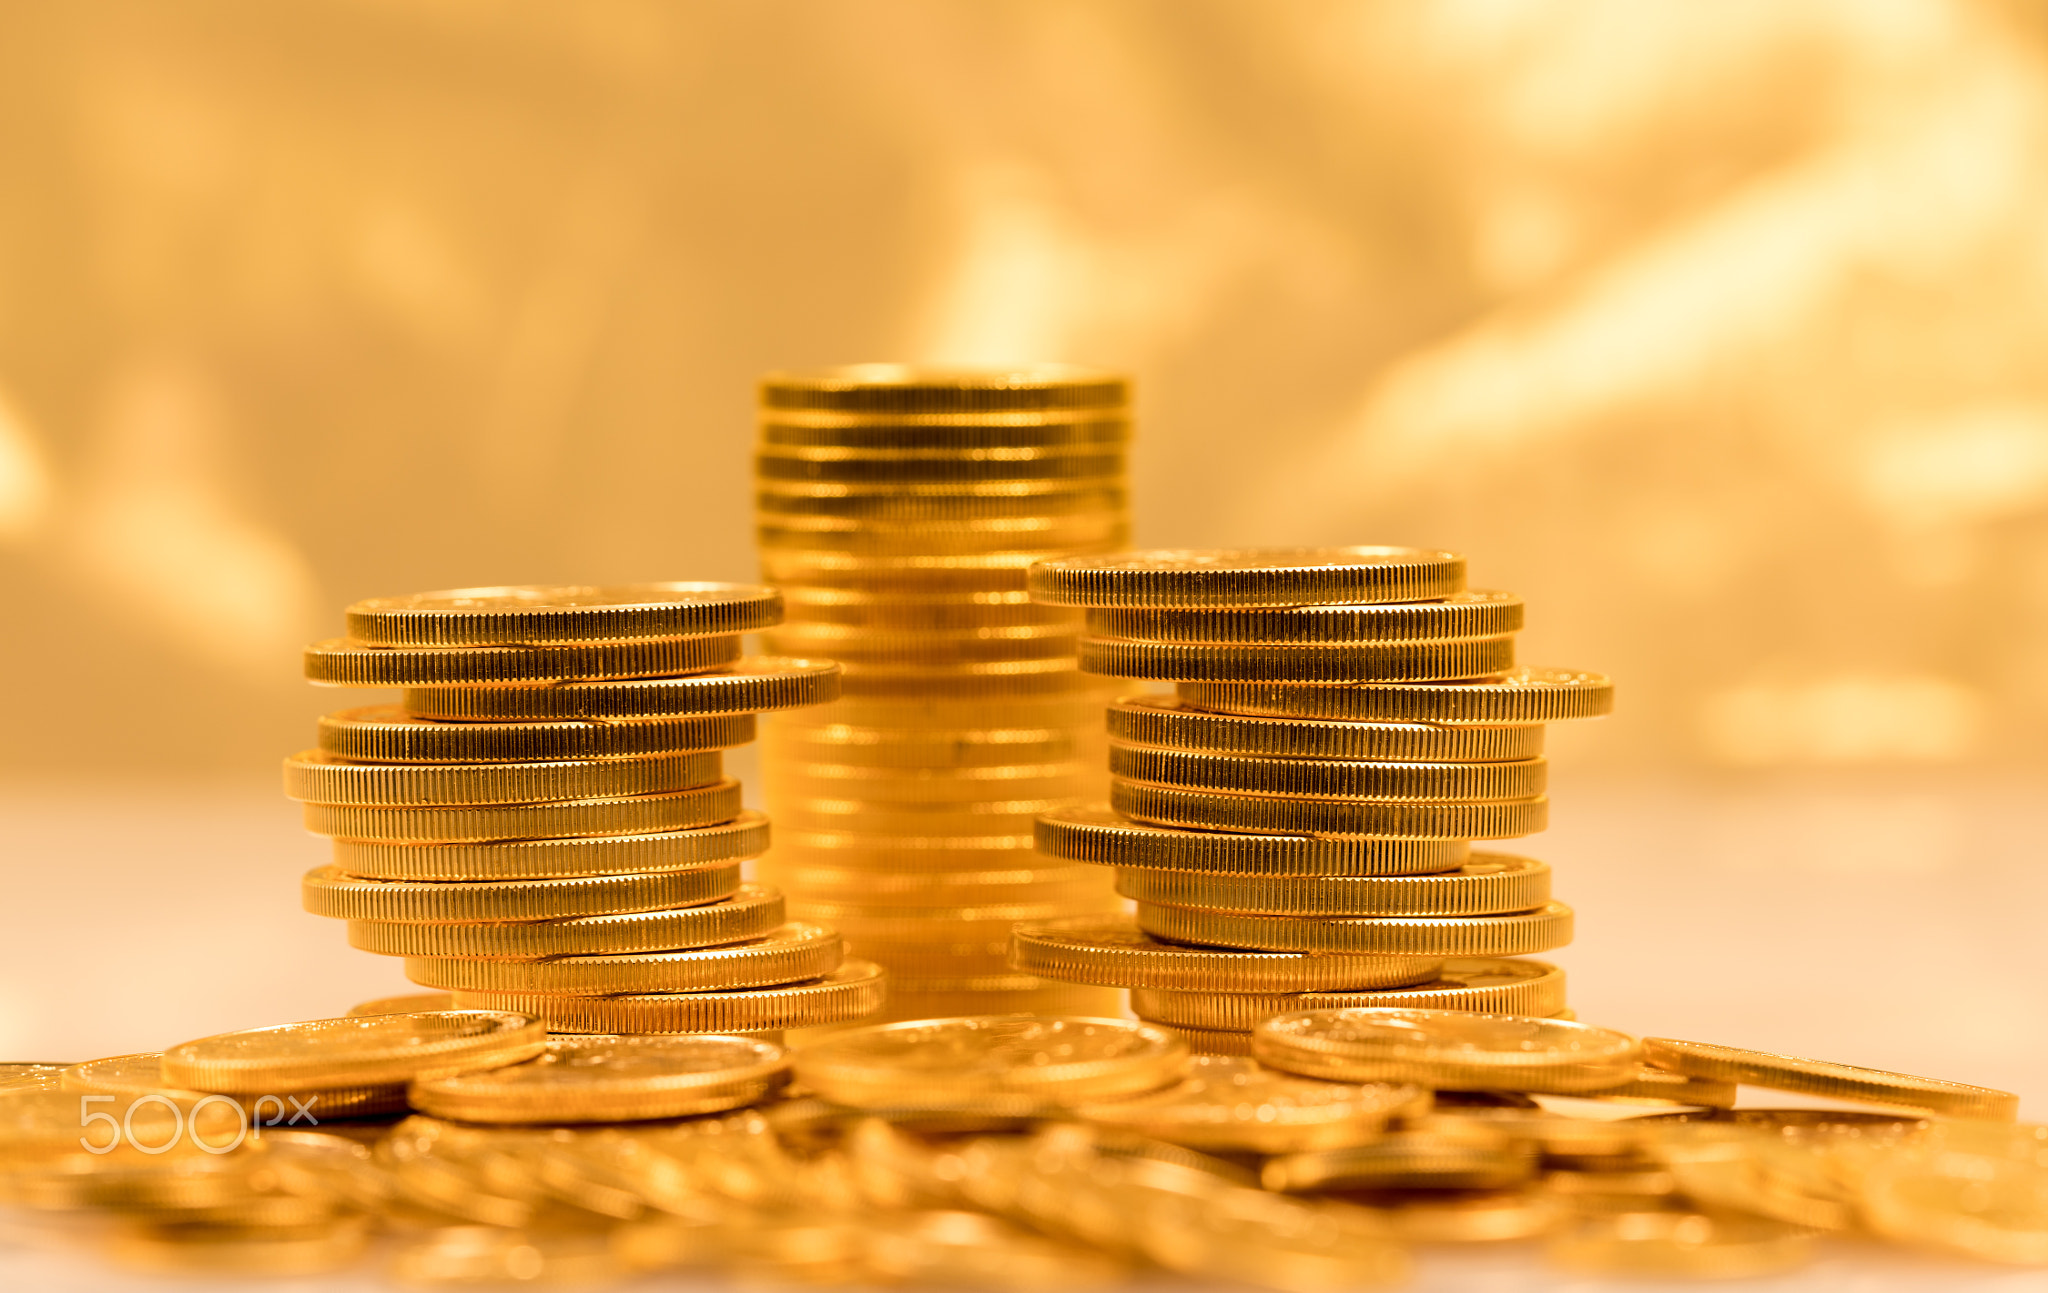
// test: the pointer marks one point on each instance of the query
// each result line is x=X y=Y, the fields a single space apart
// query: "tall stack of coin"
x=543 y=824
x=1296 y=824
x=899 y=510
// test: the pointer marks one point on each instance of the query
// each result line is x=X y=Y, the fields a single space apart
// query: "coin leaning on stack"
x=899 y=509
x=543 y=824
x=1296 y=824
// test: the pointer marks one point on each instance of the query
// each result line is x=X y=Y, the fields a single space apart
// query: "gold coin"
x=989 y=1061
x=1112 y=951
x=1491 y=985
x=1235 y=1105
x=886 y=786
x=598 y=1078
x=1209 y=810
x=750 y=913
x=1187 y=578
x=878 y=888
x=1652 y=1085
x=927 y=574
x=916 y=466
x=969 y=817
x=311 y=776
x=1296 y=662
x=483 y=823
x=938 y=716
x=756 y=684
x=898 y=852
x=859 y=645
x=927 y=751
x=30 y=1076
x=863 y=923
x=325 y=891
x=1489 y=884
x=1010 y=994
x=924 y=957
x=339 y=662
x=944 y=431
x=853 y=990
x=896 y=503
x=998 y=680
x=905 y=612
x=1465 y=1217
x=745 y=836
x=1103 y=837
x=357 y=1051
x=787 y=954
x=1169 y=723
x=410 y=1003
x=138 y=1076
x=1525 y=695
x=1406 y=1160
x=1513 y=934
x=1234 y=1043
x=889 y=390
x=1961 y=1194
x=1688 y=1245
x=1001 y=534
x=532 y=614
x=1830 y=1080
x=387 y=734
x=1471 y=614
x=1447 y=1048
x=1328 y=778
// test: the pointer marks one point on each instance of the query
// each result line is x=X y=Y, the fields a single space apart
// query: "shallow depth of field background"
x=1719 y=331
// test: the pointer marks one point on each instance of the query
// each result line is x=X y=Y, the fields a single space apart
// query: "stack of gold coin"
x=899 y=510
x=544 y=825
x=1295 y=825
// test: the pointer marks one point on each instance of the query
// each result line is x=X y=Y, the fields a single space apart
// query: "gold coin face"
x=353 y=1051
x=1470 y=614
x=752 y=685
x=1228 y=1104
x=1108 y=838
x=530 y=614
x=885 y=389
x=789 y=953
x=1447 y=1048
x=1243 y=577
x=1170 y=723
x=1826 y=1078
x=852 y=991
x=1524 y=695
x=750 y=913
x=129 y=1075
x=980 y=1059
x=612 y=1079
x=341 y=662
x=1112 y=951
x=1489 y=884
x=1490 y=984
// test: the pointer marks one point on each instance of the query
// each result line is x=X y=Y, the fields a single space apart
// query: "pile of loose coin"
x=1002 y=1151
x=1299 y=818
x=543 y=823
x=899 y=509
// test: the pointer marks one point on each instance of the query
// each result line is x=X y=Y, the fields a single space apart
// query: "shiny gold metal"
x=387 y=734
x=1175 y=724
x=1447 y=1048
x=991 y=1063
x=484 y=823
x=599 y=1078
x=1412 y=819
x=1828 y=1079
x=532 y=614
x=325 y=891
x=1240 y=662
x=852 y=991
x=340 y=662
x=1489 y=884
x=1664 y=1244
x=751 y=912
x=410 y=1003
x=892 y=391
x=1469 y=614
x=1193 y=578
x=1378 y=782
x=1235 y=1105
x=353 y=1051
x=1107 y=838
x=860 y=645
x=1491 y=985
x=1513 y=934
x=745 y=836
x=1525 y=695
x=1113 y=952
x=753 y=685
x=790 y=953
x=312 y=776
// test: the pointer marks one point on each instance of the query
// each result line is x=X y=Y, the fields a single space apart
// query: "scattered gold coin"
x=611 y=1079
x=991 y=1062
x=1447 y=1048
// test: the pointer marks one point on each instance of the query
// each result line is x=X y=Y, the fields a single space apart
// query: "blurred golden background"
x=1718 y=331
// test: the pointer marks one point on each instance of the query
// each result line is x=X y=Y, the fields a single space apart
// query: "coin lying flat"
x=1491 y=985
x=325 y=891
x=991 y=1061
x=1040 y=430
x=387 y=734
x=1107 y=838
x=1328 y=778
x=850 y=992
x=409 y=1003
x=1510 y=934
x=1680 y=1245
x=1187 y=578
x=1235 y=1105
x=887 y=390
x=1525 y=695
x=1239 y=662
x=1447 y=1048
x=1488 y=884
x=340 y=662
x=599 y=1078
x=751 y=912
x=482 y=823
x=1113 y=952
x=531 y=614
x=745 y=836
x=312 y=776
x=1298 y=814
x=353 y=1051
x=1824 y=1078
x=1470 y=614
x=1170 y=723
x=754 y=685
x=789 y=953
